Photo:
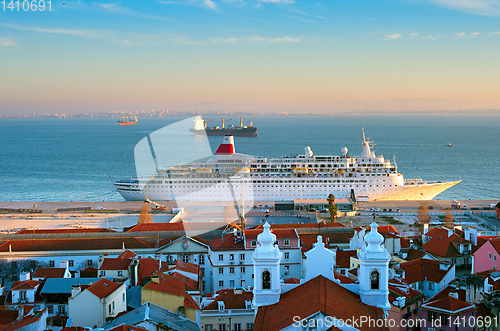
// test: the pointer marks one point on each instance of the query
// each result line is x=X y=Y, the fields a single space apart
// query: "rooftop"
x=103 y=288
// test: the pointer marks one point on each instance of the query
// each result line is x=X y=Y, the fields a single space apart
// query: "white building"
x=95 y=305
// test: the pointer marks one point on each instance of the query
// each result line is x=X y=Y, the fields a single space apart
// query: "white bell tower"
x=266 y=263
x=373 y=272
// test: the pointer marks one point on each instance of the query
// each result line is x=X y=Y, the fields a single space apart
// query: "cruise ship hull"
x=222 y=192
x=243 y=132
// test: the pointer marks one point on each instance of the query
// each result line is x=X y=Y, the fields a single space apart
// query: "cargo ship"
x=127 y=120
x=200 y=127
x=228 y=175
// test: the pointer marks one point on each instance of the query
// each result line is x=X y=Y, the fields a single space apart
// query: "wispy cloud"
x=414 y=35
x=461 y=35
x=120 y=10
x=4 y=42
x=224 y=40
x=277 y=1
x=392 y=36
x=183 y=40
x=476 y=7
x=255 y=39
x=474 y=34
x=299 y=19
x=138 y=40
x=81 y=33
x=431 y=37
x=199 y=3
x=496 y=32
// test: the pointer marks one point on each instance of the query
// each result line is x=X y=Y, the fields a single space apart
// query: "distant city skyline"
x=262 y=55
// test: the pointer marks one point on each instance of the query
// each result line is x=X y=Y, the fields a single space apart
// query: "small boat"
x=449 y=145
x=127 y=120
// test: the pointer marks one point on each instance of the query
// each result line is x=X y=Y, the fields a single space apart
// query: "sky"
x=264 y=55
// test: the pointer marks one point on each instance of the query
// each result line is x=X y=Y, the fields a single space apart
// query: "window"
x=203 y=285
x=23 y=295
x=374 y=280
x=201 y=258
x=431 y=316
x=231 y=270
x=431 y=286
x=237 y=327
x=286 y=242
x=52 y=263
x=109 y=308
x=266 y=280
x=90 y=263
x=221 y=270
x=287 y=270
x=242 y=270
x=209 y=327
x=249 y=326
x=185 y=258
x=71 y=263
x=231 y=283
x=222 y=327
x=170 y=259
x=242 y=257
x=62 y=310
x=120 y=273
x=287 y=256
x=444 y=319
x=103 y=273
x=231 y=257
x=50 y=309
x=123 y=297
x=221 y=283
x=242 y=283
x=254 y=243
x=494 y=257
x=489 y=256
x=221 y=257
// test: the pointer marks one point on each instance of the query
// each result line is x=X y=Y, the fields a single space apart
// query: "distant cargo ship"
x=127 y=120
x=200 y=127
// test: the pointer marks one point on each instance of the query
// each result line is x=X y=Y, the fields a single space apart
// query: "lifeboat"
x=204 y=171
x=244 y=169
x=298 y=170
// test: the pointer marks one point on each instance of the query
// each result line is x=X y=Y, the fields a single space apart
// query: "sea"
x=77 y=159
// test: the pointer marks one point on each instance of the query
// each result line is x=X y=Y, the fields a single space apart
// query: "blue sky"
x=275 y=55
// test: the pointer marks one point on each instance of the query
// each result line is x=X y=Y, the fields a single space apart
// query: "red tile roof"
x=187 y=267
x=443 y=245
x=8 y=316
x=446 y=293
x=279 y=233
x=190 y=284
x=404 y=242
x=127 y=254
x=103 y=288
x=27 y=320
x=88 y=272
x=190 y=303
x=231 y=299
x=305 y=226
x=415 y=254
x=226 y=243
x=124 y=327
x=384 y=229
x=146 y=268
x=115 y=264
x=421 y=269
x=155 y=227
x=449 y=304
x=292 y=280
x=73 y=244
x=343 y=258
x=49 y=273
x=399 y=289
x=51 y=231
x=343 y=279
x=167 y=284
x=317 y=295
x=25 y=285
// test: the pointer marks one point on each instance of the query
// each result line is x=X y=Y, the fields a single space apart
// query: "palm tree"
x=332 y=208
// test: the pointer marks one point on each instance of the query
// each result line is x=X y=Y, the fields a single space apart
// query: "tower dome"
x=266 y=236
x=373 y=239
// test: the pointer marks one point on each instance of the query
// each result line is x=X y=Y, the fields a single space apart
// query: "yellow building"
x=170 y=293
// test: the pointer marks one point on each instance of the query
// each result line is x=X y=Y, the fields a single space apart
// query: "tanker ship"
x=200 y=127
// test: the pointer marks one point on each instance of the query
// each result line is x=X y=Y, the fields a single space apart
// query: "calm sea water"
x=73 y=159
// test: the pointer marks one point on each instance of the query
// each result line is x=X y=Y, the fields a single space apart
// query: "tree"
x=423 y=216
x=449 y=219
x=10 y=270
x=144 y=217
x=332 y=208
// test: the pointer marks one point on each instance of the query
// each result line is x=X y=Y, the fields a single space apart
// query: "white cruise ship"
x=230 y=176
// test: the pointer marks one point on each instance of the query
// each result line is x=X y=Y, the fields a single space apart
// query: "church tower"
x=373 y=274
x=266 y=263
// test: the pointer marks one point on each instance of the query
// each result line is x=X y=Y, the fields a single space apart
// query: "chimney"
x=24 y=276
x=75 y=290
x=155 y=279
x=450 y=231
x=454 y=295
x=20 y=310
x=63 y=264
x=426 y=228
